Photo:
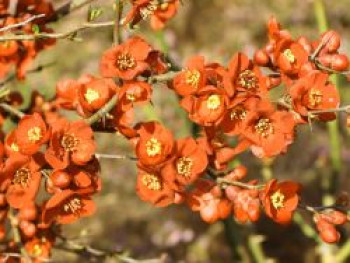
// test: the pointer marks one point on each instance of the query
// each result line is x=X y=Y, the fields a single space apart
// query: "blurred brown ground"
x=216 y=29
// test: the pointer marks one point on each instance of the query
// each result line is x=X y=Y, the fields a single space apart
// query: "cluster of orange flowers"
x=21 y=53
x=49 y=170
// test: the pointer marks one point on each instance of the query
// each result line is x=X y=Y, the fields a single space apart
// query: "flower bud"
x=60 y=179
x=332 y=41
x=261 y=58
x=340 y=62
x=224 y=208
x=326 y=60
x=337 y=217
x=28 y=229
x=254 y=210
x=209 y=213
x=305 y=44
x=28 y=212
x=327 y=231
x=231 y=192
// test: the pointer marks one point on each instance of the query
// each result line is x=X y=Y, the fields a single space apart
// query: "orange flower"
x=163 y=13
x=126 y=61
x=192 y=79
x=94 y=94
x=151 y=186
x=280 y=200
x=211 y=207
x=11 y=145
x=157 y=11
x=31 y=133
x=290 y=56
x=269 y=131
x=70 y=142
x=236 y=115
x=208 y=107
x=67 y=91
x=134 y=93
x=155 y=145
x=67 y=207
x=23 y=174
x=39 y=249
x=244 y=77
x=189 y=163
x=314 y=92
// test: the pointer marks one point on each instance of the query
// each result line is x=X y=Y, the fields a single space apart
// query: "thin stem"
x=9 y=109
x=117 y=34
x=17 y=235
x=115 y=156
x=70 y=34
x=103 y=111
x=332 y=179
x=23 y=23
x=223 y=181
x=163 y=77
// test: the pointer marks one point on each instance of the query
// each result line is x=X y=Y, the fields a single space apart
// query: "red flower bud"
x=337 y=217
x=254 y=210
x=332 y=40
x=326 y=60
x=28 y=212
x=231 y=192
x=340 y=62
x=261 y=57
x=60 y=179
x=327 y=231
x=209 y=213
x=28 y=229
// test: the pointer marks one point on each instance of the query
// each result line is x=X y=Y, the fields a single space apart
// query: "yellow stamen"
x=289 y=55
x=153 y=147
x=34 y=134
x=184 y=166
x=277 y=200
x=91 y=95
x=213 y=102
x=152 y=182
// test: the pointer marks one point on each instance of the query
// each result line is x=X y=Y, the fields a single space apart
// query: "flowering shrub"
x=230 y=105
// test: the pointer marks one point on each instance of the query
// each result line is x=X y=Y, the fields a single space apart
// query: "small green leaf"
x=36 y=29
x=94 y=13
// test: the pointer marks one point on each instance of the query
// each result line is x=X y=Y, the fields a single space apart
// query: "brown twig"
x=9 y=109
x=23 y=23
x=223 y=182
x=70 y=34
x=17 y=235
x=80 y=249
x=103 y=111
x=114 y=156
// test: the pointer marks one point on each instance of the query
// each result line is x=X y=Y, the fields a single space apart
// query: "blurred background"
x=216 y=29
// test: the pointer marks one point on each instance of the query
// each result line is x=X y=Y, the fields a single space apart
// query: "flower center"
x=14 y=147
x=149 y=9
x=184 y=166
x=264 y=127
x=34 y=134
x=131 y=96
x=213 y=102
x=74 y=206
x=248 y=80
x=315 y=97
x=239 y=113
x=277 y=200
x=69 y=142
x=125 y=61
x=152 y=182
x=192 y=77
x=289 y=55
x=22 y=177
x=153 y=147
x=37 y=250
x=91 y=95
x=164 y=6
